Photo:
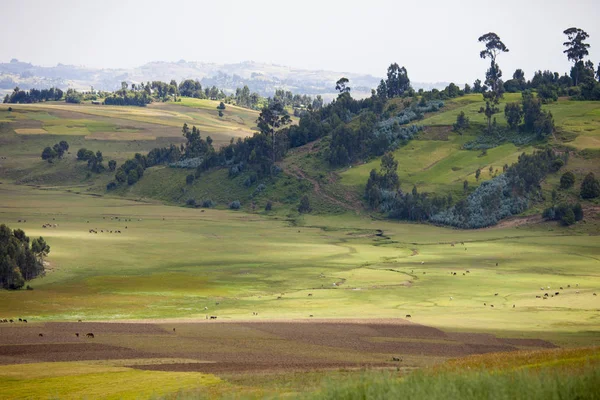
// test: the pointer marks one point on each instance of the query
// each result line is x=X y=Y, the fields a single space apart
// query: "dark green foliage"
x=462 y=122
x=190 y=202
x=577 y=49
x=380 y=183
x=493 y=48
x=112 y=165
x=73 y=96
x=547 y=93
x=191 y=88
x=208 y=203
x=20 y=261
x=342 y=85
x=221 y=113
x=304 y=206
x=132 y=176
x=513 y=114
x=269 y=206
x=49 y=154
x=477 y=173
x=221 y=106
x=33 y=96
x=465 y=186
x=111 y=185
x=535 y=120
x=590 y=187
x=56 y=151
x=272 y=118
x=397 y=82
x=557 y=165
x=189 y=179
x=235 y=205
x=567 y=214
x=567 y=180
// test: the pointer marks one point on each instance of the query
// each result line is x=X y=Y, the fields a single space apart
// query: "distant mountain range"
x=260 y=77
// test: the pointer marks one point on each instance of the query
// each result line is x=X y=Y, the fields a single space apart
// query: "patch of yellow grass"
x=94 y=380
x=31 y=131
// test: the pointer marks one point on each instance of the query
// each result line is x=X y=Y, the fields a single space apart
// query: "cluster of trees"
x=21 y=259
x=505 y=195
x=383 y=194
x=73 y=96
x=132 y=97
x=33 y=95
x=567 y=214
x=529 y=111
x=57 y=151
x=94 y=160
x=396 y=84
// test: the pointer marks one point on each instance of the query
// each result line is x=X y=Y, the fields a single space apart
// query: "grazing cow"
x=576 y=292
x=454 y=273
x=279 y=297
x=173 y=329
x=78 y=320
x=25 y=320
x=545 y=294
x=451 y=298
x=485 y=304
x=422 y=262
x=561 y=288
x=213 y=317
x=396 y=359
x=424 y=273
x=492 y=306
x=20 y=320
x=468 y=272
x=568 y=285
x=11 y=321
x=595 y=294
x=408 y=316
x=513 y=306
x=464 y=273
x=557 y=293
x=41 y=335
x=90 y=335
x=495 y=294
x=311 y=315
x=496 y=264
x=310 y=295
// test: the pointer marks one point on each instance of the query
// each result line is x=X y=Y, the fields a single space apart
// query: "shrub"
x=189 y=179
x=111 y=185
x=556 y=165
x=250 y=180
x=191 y=202
x=269 y=206
x=568 y=218
x=208 y=203
x=304 y=206
x=235 y=205
x=567 y=180
x=462 y=122
x=590 y=187
x=9 y=109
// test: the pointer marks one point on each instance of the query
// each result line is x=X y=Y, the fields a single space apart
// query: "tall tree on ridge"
x=576 y=48
x=493 y=48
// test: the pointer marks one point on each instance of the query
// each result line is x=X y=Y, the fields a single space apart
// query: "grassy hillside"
x=436 y=162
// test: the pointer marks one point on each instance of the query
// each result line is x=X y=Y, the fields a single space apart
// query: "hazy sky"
x=435 y=39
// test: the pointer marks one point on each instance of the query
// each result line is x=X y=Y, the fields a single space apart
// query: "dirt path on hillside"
x=349 y=203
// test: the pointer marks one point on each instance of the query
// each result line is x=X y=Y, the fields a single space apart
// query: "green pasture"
x=439 y=166
x=171 y=262
x=579 y=120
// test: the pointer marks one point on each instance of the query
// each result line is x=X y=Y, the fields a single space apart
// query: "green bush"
x=567 y=180
x=590 y=187
x=235 y=205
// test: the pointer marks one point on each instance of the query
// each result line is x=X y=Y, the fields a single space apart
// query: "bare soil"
x=246 y=346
